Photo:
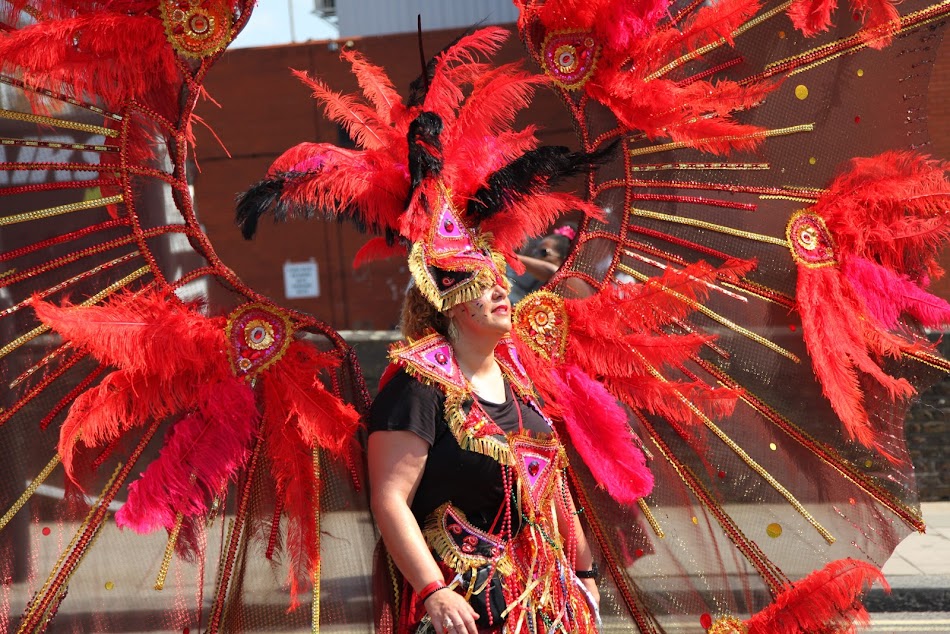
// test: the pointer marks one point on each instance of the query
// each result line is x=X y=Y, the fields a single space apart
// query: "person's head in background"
x=555 y=246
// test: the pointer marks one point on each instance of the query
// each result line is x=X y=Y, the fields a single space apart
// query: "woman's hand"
x=591 y=586
x=447 y=607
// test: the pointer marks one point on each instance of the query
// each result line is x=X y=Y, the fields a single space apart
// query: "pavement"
x=919 y=570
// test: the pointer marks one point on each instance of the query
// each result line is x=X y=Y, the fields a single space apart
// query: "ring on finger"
x=448 y=624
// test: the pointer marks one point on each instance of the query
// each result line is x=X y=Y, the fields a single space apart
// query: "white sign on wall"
x=301 y=279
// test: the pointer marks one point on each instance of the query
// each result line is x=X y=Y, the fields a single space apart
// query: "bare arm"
x=541 y=269
x=396 y=462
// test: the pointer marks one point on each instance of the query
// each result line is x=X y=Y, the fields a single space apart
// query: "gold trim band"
x=57 y=123
x=675 y=145
x=60 y=210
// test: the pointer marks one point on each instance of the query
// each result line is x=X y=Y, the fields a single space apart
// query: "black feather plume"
x=425 y=148
x=256 y=202
x=535 y=170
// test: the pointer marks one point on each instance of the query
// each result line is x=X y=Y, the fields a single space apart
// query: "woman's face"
x=488 y=314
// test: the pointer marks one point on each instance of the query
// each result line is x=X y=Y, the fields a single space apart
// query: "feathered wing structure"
x=866 y=251
x=153 y=404
x=171 y=360
x=764 y=387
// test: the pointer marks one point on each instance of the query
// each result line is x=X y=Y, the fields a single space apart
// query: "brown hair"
x=420 y=317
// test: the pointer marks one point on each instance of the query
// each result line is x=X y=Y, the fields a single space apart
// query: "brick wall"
x=928 y=438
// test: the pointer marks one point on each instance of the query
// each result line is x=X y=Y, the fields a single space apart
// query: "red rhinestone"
x=449 y=226
x=440 y=358
x=46 y=530
x=533 y=468
x=705 y=620
x=857 y=119
x=638 y=552
x=722 y=474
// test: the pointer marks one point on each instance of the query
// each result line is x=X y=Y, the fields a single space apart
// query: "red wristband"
x=431 y=589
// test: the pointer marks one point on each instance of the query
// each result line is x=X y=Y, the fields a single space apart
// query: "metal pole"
x=290 y=10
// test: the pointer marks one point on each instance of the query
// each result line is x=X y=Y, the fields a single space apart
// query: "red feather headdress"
x=444 y=171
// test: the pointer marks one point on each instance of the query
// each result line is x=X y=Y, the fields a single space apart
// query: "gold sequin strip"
x=702 y=224
x=794 y=199
x=675 y=145
x=30 y=490
x=56 y=145
x=929 y=359
x=315 y=607
x=662 y=167
x=68 y=551
x=57 y=123
x=728 y=323
x=60 y=210
x=109 y=290
x=741 y=453
x=651 y=519
x=169 y=551
x=699 y=52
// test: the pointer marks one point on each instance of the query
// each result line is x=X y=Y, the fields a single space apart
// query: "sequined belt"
x=461 y=546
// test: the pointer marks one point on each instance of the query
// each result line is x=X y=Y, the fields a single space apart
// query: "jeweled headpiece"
x=442 y=176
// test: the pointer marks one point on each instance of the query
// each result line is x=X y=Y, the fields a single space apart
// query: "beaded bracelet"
x=431 y=589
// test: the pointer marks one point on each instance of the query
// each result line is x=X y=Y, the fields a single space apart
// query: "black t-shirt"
x=471 y=481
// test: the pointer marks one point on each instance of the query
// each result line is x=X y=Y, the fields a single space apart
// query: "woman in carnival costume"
x=459 y=442
x=775 y=500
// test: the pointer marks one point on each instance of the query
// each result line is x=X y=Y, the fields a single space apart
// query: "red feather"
x=300 y=417
x=202 y=453
x=96 y=70
x=377 y=87
x=293 y=386
x=377 y=249
x=890 y=209
x=880 y=16
x=827 y=600
x=298 y=491
x=151 y=334
x=841 y=341
x=339 y=180
x=457 y=66
x=591 y=415
x=361 y=122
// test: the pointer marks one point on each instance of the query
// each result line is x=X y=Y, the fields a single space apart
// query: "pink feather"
x=202 y=453
x=887 y=295
x=598 y=430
